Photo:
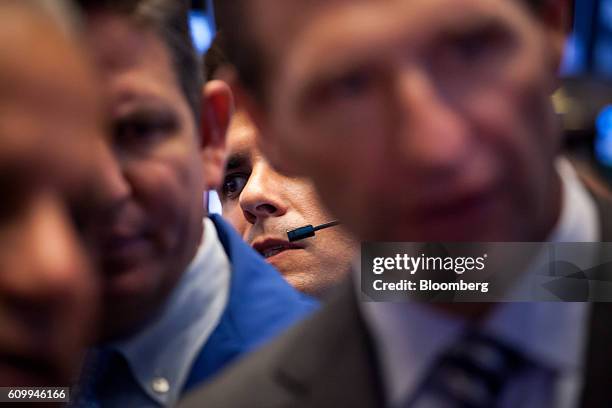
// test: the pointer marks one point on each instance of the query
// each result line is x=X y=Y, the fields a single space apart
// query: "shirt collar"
x=408 y=339
x=579 y=219
x=160 y=356
x=552 y=333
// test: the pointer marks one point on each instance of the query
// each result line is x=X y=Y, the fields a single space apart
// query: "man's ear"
x=556 y=16
x=217 y=111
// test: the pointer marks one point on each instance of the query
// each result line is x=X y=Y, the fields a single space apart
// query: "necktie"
x=472 y=374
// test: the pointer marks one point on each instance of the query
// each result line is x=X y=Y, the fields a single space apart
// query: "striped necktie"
x=471 y=374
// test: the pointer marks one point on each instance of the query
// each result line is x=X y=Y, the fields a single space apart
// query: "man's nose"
x=113 y=186
x=46 y=262
x=432 y=134
x=261 y=196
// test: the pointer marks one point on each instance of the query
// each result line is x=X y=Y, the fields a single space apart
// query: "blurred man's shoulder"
x=325 y=360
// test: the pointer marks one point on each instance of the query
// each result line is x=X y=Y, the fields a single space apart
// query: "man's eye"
x=351 y=85
x=233 y=184
x=480 y=43
x=139 y=131
x=471 y=47
x=136 y=131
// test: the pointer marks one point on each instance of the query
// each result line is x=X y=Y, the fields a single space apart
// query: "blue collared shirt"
x=229 y=301
x=160 y=356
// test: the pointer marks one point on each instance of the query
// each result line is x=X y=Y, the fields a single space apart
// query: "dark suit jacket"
x=329 y=361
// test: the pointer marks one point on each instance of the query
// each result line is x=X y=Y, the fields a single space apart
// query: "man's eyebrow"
x=474 y=24
x=237 y=160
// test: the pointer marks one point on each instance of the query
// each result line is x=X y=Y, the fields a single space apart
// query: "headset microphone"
x=308 y=231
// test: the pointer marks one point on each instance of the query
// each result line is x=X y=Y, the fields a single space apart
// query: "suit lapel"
x=331 y=362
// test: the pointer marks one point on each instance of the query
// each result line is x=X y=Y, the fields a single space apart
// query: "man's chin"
x=491 y=224
x=131 y=300
x=119 y=324
x=128 y=306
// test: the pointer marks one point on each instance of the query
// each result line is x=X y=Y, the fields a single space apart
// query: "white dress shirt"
x=410 y=337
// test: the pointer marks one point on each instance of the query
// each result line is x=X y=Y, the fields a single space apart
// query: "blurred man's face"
x=49 y=126
x=416 y=119
x=263 y=205
x=153 y=223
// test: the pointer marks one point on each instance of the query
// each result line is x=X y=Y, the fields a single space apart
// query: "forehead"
x=281 y=27
x=134 y=61
x=242 y=133
x=48 y=100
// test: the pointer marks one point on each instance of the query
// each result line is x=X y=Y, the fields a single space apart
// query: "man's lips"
x=123 y=248
x=120 y=242
x=457 y=204
x=269 y=247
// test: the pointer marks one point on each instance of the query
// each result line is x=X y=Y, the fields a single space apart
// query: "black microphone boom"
x=308 y=231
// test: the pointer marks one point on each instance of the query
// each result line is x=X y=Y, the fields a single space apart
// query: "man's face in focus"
x=263 y=205
x=418 y=120
x=49 y=127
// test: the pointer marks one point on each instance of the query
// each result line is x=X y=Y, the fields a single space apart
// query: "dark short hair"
x=239 y=45
x=170 y=20
x=534 y=5
x=215 y=57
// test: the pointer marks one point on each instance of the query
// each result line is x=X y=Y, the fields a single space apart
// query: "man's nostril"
x=266 y=208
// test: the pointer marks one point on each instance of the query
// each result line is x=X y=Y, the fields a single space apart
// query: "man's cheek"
x=161 y=189
x=233 y=213
x=496 y=119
